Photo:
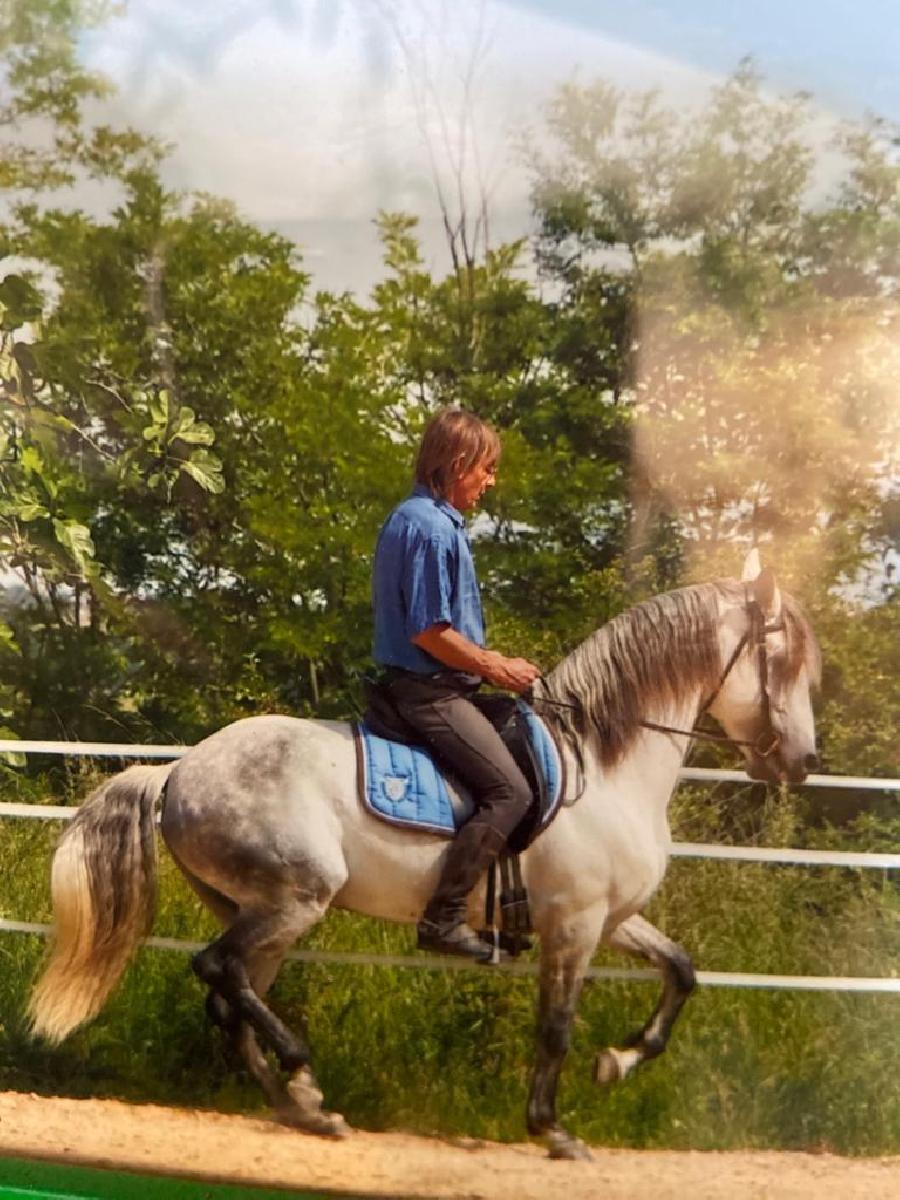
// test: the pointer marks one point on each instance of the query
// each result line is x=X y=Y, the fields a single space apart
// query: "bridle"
x=768 y=739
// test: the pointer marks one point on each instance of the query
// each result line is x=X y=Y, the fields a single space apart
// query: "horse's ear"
x=752 y=566
x=766 y=594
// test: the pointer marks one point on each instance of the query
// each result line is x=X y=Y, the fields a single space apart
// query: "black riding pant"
x=440 y=710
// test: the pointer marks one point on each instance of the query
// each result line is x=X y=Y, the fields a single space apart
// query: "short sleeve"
x=426 y=583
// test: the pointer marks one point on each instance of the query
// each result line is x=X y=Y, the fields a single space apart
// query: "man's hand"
x=516 y=674
x=449 y=647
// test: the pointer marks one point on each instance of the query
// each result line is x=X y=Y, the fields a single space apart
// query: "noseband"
x=767 y=740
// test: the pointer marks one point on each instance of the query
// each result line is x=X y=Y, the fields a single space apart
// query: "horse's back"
x=257 y=799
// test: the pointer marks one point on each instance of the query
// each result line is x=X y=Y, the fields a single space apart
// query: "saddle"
x=530 y=742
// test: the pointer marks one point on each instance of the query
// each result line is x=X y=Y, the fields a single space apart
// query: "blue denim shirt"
x=423 y=576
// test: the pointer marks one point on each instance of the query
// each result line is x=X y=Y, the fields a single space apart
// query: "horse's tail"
x=104 y=897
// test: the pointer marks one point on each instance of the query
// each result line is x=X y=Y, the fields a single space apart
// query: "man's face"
x=468 y=487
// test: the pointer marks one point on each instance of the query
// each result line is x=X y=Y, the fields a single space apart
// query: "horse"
x=264 y=821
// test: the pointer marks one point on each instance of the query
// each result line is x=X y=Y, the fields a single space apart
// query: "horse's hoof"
x=563 y=1145
x=607 y=1069
x=334 y=1126
x=321 y=1124
x=304 y=1091
x=305 y=1110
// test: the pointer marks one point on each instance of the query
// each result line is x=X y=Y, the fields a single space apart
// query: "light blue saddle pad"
x=402 y=785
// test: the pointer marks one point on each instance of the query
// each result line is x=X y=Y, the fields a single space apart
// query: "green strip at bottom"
x=22 y=1179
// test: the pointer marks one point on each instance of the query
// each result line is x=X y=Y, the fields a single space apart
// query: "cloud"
x=305 y=113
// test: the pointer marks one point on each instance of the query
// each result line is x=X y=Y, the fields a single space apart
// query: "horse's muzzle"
x=777 y=768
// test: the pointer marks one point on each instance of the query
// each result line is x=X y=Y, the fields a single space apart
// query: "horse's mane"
x=646 y=658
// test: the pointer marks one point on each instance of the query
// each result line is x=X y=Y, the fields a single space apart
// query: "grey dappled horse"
x=264 y=820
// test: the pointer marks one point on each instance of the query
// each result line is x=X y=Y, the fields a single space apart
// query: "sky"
x=314 y=114
x=845 y=51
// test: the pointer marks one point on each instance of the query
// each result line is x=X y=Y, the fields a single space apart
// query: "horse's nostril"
x=811 y=762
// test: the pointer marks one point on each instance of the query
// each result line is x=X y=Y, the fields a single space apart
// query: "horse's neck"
x=649 y=767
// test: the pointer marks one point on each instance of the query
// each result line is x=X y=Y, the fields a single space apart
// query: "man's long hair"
x=454 y=441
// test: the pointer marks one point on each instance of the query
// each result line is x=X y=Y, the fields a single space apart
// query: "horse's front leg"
x=565 y=955
x=638 y=937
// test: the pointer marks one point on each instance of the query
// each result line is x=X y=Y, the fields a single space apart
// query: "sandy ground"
x=249 y=1150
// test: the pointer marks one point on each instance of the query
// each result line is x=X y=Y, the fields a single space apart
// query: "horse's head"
x=764 y=700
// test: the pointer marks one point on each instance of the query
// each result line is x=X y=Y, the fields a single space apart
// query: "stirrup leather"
x=510 y=936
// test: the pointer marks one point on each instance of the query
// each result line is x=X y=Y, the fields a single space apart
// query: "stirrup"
x=458 y=939
x=511 y=944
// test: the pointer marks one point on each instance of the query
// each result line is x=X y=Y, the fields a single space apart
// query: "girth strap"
x=515 y=916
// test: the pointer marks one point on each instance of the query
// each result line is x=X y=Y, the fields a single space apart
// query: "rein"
x=573 y=741
x=765 y=743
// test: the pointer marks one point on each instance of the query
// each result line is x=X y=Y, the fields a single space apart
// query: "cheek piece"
x=767 y=740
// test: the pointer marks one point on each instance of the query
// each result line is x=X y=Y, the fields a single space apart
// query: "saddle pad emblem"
x=395 y=787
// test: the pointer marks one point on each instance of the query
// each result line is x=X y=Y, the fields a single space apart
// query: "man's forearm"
x=454 y=650
x=451 y=648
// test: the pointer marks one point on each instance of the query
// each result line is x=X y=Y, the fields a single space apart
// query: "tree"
x=45 y=144
x=758 y=380
x=763 y=343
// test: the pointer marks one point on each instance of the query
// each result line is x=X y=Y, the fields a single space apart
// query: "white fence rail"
x=808 y=983
x=758 y=854
x=700 y=774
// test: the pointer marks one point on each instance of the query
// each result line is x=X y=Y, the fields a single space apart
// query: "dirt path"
x=254 y=1151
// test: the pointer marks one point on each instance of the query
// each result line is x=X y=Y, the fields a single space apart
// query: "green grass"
x=450 y=1052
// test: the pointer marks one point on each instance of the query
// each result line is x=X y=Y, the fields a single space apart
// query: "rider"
x=429 y=640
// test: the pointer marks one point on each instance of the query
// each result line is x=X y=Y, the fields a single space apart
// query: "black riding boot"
x=443 y=926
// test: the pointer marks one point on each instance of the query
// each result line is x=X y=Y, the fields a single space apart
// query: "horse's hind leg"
x=225 y=911
x=299 y=1101
x=239 y=967
x=226 y=1017
x=638 y=937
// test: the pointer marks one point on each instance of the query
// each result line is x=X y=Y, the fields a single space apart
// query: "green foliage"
x=858 y=714
x=482 y=338
x=763 y=346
